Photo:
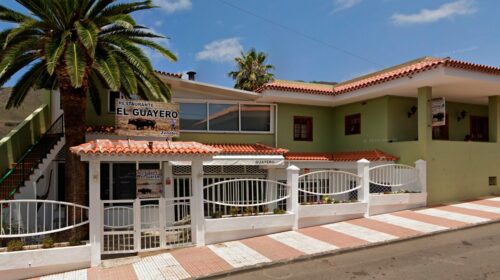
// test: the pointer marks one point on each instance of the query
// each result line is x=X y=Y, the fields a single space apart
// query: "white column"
x=292 y=180
x=168 y=191
x=364 y=191
x=137 y=224
x=421 y=166
x=95 y=212
x=197 y=215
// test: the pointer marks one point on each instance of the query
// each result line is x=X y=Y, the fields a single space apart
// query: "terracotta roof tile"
x=100 y=129
x=385 y=75
x=106 y=146
x=248 y=149
x=374 y=155
x=169 y=74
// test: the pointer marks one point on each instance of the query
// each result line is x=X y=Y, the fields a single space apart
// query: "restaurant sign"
x=149 y=183
x=146 y=118
x=438 y=111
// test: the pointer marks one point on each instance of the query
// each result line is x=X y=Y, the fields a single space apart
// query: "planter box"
x=386 y=203
x=320 y=214
x=33 y=263
x=234 y=228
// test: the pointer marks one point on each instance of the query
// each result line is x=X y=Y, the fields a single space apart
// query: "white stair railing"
x=32 y=217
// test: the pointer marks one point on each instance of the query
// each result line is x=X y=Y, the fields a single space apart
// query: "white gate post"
x=137 y=225
x=364 y=191
x=421 y=166
x=197 y=215
x=292 y=180
x=162 y=207
x=95 y=212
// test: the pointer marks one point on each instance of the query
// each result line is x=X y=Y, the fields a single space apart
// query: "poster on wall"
x=149 y=183
x=146 y=118
x=438 y=111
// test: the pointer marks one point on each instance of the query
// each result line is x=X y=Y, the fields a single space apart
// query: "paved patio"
x=224 y=257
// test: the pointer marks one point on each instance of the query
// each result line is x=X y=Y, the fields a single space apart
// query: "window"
x=226 y=117
x=223 y=117
x=353 y=124
x=255 y=118
x=193 y=116
x=112 y=96
x=302 y=128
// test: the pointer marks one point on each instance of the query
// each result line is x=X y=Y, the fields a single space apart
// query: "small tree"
x=252 y=71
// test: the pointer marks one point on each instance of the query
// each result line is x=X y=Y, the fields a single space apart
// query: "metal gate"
x=139 y=225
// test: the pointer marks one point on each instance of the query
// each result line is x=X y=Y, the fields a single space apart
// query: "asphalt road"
x=470 y=254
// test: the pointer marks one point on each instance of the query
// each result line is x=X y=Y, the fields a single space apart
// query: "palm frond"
x=75 y=64
x=24 y=84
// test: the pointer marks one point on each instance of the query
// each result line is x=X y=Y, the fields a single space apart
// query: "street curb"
x=337 y=252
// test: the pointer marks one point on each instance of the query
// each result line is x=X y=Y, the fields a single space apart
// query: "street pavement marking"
x=163 y=266
x=479 y=207
x=360 y=232
x=452 y=216
x=238 y=254
x=302 y=242
x=408 y=223
x=71 y=275
x=494 y=198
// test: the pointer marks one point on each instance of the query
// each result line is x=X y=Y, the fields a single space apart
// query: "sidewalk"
x=307 y=242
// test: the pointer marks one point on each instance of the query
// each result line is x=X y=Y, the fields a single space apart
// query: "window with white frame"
x=226 y=117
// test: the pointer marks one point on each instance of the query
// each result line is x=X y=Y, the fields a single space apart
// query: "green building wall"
x=322 y=128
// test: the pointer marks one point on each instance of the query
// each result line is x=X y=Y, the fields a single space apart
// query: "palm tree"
x=252 y=71
x=83 y=48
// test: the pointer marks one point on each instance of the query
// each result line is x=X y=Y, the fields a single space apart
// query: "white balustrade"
x=31 y=217
x=389 y=178
x=334 y=184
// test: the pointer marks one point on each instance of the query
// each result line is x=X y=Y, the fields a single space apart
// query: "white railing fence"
x=328 y=186
x=178 y=230
x=393 y=178
x=31 y=217
x=244 y=197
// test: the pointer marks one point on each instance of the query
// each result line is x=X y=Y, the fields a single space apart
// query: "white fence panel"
x=334 y=184
x=118 y=226
x=31 y=217
x=244 y=196
x=394 y=178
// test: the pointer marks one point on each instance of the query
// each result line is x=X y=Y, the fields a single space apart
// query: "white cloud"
x=224 y=50
x=448 y=10
x=171 y=6
x=345 y=4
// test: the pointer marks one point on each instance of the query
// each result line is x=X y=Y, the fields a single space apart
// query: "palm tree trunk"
x=74 y=106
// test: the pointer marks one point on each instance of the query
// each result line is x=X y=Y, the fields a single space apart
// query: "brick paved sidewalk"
x=218 y=258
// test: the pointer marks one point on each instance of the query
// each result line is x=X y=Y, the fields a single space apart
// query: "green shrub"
x=278 y=211
x=234 y=211
x=48 y=242
x=75 y=241
x=15 y=245
x=216 y=215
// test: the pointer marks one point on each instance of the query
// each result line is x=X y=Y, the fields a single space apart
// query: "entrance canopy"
x=130 y=150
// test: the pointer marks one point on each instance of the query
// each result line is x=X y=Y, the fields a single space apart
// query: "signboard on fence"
x=438 y=111
x=146 y=118
x=149 y=183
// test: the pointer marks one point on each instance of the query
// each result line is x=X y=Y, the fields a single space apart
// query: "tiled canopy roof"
x=385 y=75
x=248 y=149
x=122 y=147
x=169 y=74
x=374 y=155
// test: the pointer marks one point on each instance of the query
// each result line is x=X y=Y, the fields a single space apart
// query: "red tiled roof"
x=105 y=146
x=169 y=74
x=100 y=129
x=248 y=149
x=385 y=75
x=374 y=155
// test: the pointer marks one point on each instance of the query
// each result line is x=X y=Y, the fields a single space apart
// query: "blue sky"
x=328 y=40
